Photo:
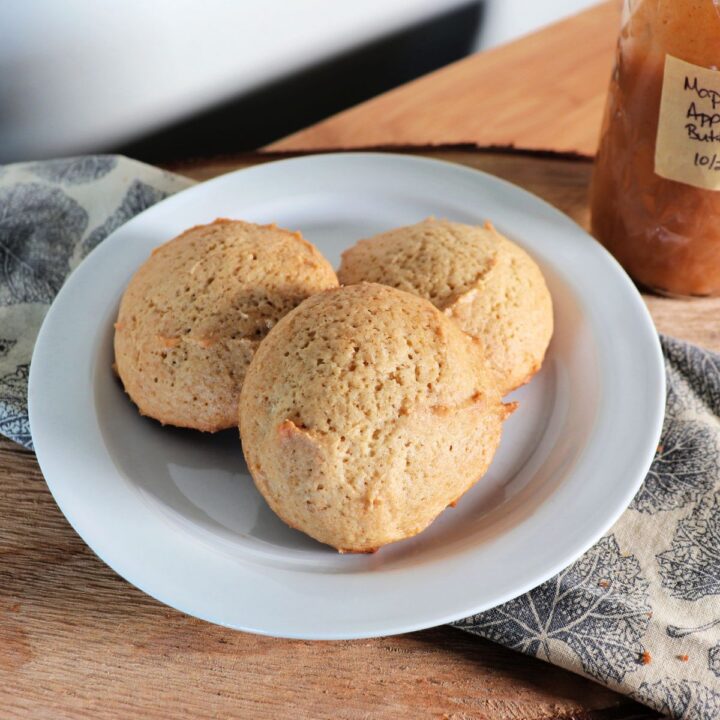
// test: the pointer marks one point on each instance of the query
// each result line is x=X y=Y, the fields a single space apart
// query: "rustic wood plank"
x=545 y=91
x=77 y=641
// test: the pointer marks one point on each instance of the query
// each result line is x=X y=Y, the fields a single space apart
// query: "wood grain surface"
x=77 y=641
x=545 y=92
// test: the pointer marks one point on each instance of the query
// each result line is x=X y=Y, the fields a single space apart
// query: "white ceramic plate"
x=176 y=513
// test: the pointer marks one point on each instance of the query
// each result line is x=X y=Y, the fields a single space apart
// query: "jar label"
x=687 y=148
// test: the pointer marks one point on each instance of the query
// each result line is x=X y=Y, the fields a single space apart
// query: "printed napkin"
x=639 y=612
x=52 y=214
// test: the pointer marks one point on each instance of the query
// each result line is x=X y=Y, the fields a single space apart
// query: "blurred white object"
x=80 y=74
x=506 y=20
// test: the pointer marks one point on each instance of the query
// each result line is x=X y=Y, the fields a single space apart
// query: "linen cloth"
x=639 y=612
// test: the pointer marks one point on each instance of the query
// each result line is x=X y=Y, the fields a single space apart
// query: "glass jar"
x=655 y=194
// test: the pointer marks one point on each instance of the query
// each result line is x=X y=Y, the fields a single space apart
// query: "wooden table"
x=77 y=641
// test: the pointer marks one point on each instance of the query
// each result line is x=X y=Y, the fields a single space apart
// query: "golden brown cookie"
x=196 y=310
x=365 y=413
x=487 y=284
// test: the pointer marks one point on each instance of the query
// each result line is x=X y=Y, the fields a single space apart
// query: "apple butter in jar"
x=655 y=195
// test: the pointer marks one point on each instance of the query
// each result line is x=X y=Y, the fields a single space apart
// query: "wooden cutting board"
x=544 y=92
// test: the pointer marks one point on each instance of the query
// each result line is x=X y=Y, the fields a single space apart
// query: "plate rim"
x=561 y=563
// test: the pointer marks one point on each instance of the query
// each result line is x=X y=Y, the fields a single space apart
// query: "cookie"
x=487 y=284
x=194 y=313
x=365 y=413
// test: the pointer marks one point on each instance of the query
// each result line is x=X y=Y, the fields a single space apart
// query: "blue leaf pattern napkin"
x=639 y=612
x=52 y=214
